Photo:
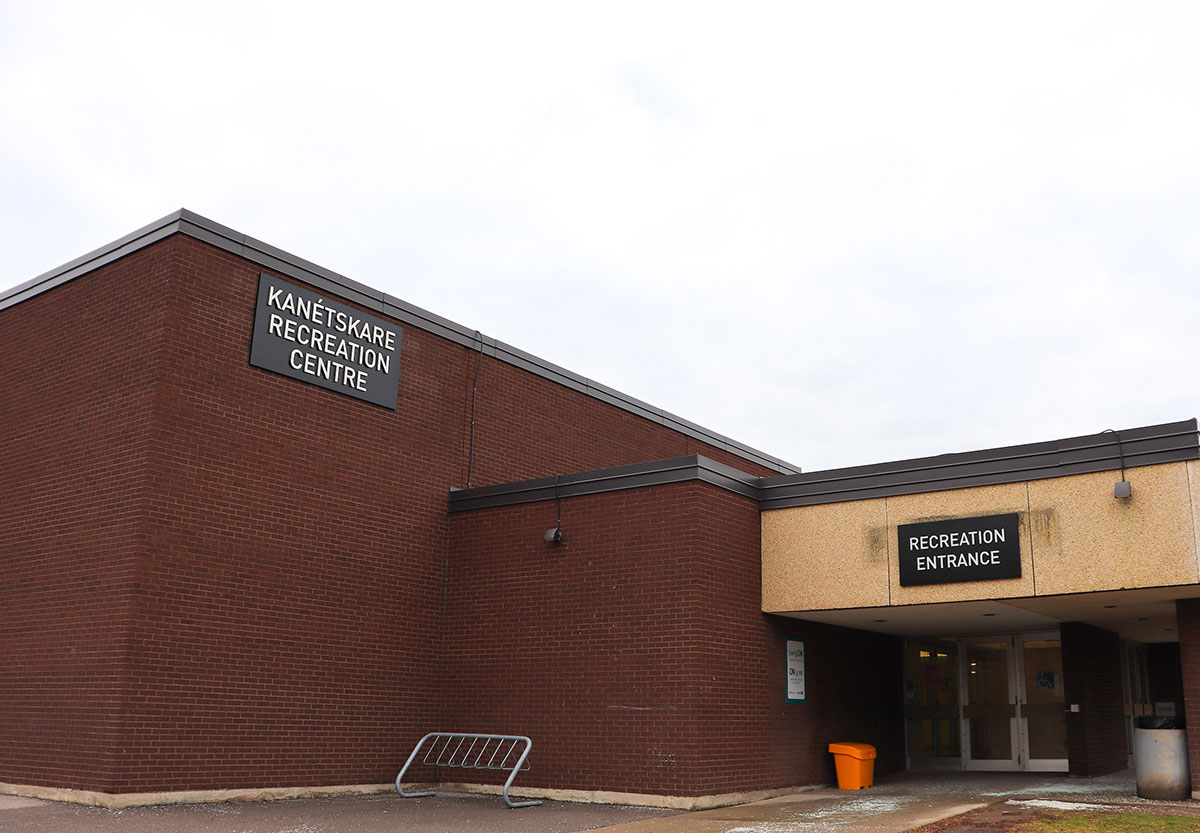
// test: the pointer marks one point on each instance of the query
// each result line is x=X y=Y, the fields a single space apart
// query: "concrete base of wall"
x=117 y=801
x=672 y=802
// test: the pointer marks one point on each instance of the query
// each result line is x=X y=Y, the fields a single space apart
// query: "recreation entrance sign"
x=961 y=549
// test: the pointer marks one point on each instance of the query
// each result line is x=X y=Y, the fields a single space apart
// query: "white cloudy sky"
x=839 y=232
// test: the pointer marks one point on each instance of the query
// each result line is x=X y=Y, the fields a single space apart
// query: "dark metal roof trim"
x=1171 y=442
x=1166 y=443
x=280 y=262
x=619 y=478
x=128 y=244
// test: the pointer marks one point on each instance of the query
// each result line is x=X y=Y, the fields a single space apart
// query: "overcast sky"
x=841 y=233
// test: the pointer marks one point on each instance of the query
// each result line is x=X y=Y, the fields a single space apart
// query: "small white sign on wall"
x=795 y=671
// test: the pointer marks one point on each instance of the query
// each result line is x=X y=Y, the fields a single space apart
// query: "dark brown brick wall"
x=78 y=379
x=287 y=626
x=527 y=426
x=855 y=678
x=1096 y=739
x=635 y=653
x=1187 y=618
x=222 y=577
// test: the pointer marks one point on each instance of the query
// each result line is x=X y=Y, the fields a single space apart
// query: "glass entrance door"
x=1042 y=704
x=1012 y=703
x=989 y=704
x=931 y=703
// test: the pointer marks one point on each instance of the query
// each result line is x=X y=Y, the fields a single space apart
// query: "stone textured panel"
x=1084 y=539
x=822 y=557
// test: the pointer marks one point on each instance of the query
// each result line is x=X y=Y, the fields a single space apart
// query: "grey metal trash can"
x=1160 y=757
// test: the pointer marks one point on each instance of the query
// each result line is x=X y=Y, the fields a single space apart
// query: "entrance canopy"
x=1143 y=615
x=1099 y=529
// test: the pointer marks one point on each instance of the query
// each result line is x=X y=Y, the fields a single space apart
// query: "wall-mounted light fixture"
x=554 y=534
x=1122 y=488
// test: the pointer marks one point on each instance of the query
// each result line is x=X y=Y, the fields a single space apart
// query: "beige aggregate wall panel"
x=961 y=503
x=1193 y=472
x=1085 y=539
x=821 y=557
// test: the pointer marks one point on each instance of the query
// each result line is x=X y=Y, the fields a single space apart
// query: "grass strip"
x=1110 y=823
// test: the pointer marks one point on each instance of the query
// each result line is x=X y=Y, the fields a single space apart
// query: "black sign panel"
x=962 y=549
x=308 y=337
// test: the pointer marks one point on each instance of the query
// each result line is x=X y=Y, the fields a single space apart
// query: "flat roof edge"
x=130 y=243
x=266 y=256
x=614 y=479
x=1146 y=446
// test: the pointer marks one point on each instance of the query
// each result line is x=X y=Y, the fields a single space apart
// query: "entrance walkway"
x=901 y=802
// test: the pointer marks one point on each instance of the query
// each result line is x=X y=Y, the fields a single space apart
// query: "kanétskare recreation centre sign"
x=306 y=336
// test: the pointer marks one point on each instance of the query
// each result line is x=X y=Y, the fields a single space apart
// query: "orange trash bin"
x=855 y=764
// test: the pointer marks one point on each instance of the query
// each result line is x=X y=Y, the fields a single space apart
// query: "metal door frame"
x=945 y=763
x=1031 y=764
x=964 y=725
x=1017 y=698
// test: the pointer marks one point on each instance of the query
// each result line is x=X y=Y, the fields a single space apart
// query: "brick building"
x=264 y=527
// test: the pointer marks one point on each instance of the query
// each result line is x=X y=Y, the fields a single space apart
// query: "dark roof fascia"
x=1167 y=443
x=1151 y=445
x=130 y=243
x=618 y=478
x=278 y=261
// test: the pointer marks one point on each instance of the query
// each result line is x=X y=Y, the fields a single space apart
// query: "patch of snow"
x=1059 y=805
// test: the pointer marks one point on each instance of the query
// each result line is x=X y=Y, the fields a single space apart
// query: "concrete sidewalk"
x=899 y=803
x=896 y=804
x=822 y=811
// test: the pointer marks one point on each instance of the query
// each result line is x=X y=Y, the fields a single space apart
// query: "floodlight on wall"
x=554 y=534
x=1122 y=488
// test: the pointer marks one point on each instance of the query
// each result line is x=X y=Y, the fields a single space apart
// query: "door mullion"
x=1015 y=697
x=964 y=735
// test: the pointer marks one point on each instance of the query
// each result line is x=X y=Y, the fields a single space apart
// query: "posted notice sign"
x=309 y=337
x=795 y=671
x=961 y=549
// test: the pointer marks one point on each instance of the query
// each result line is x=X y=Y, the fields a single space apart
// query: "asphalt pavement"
x=384 y=813
x=895 y=804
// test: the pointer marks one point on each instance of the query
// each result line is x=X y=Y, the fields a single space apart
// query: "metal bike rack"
x=446 y=749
